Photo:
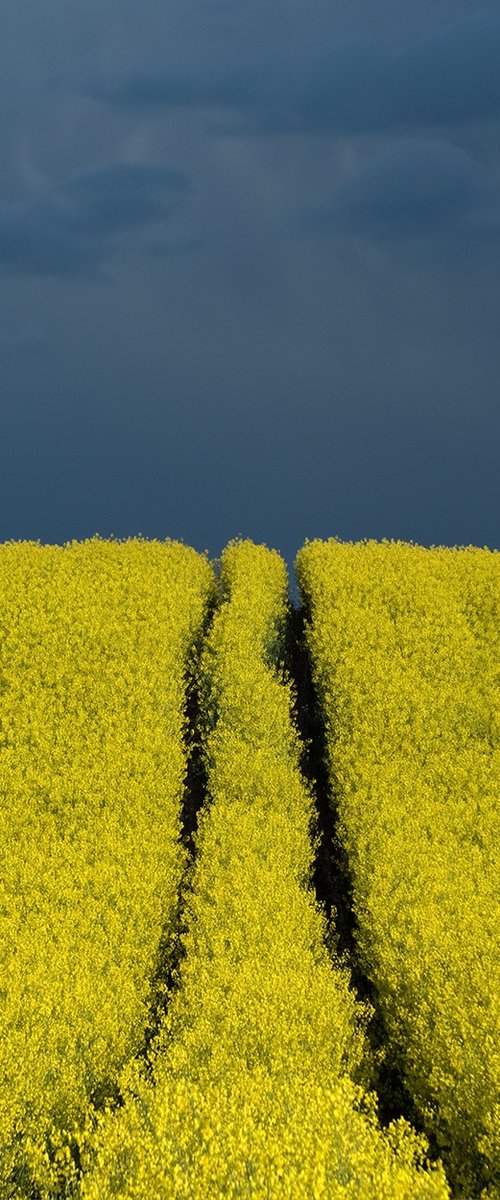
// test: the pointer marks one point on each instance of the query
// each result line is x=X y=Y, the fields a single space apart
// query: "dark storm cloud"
x=448 y=76
x=261 y=380
x=75 y=226
x=414 y=188
x=188 y=86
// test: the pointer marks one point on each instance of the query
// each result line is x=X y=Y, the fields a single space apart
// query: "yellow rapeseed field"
x=260 y=1073
x=405 y=647
x=95 y=639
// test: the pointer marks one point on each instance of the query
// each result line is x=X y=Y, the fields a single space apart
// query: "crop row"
x=258 y=1083
x=405 y=650
x=95 y=640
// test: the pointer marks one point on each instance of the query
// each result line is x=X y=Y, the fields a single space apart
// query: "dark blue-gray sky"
x=249 y=270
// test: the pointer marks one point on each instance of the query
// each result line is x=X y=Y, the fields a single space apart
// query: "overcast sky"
x=249 y=270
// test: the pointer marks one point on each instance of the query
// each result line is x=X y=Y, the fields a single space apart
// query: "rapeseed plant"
x=260 y=1073
x=405 y=649
x=95 y=643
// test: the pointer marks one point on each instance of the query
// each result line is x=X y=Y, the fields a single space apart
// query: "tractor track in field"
x=332 y=878
x=165 y=978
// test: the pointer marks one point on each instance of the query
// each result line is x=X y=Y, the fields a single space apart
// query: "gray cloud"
x=156 y=85
x=451 y=75
x=413 y=188
x=76 y=226
x=446 y=77
x=353 y=85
